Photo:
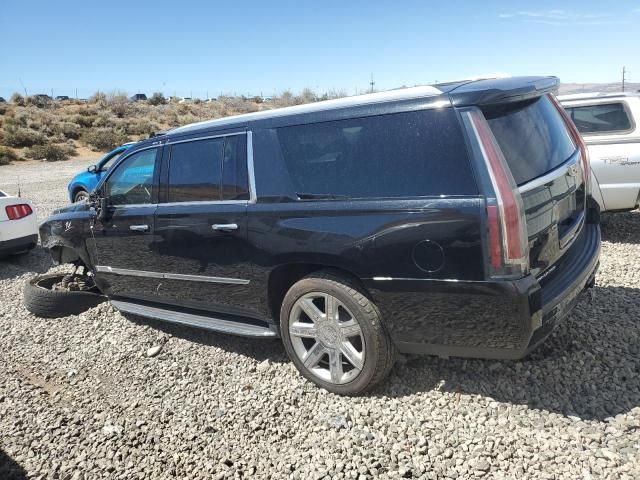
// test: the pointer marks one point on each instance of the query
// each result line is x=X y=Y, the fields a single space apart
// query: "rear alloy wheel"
x=81 y=196
x=327 y=338
x=334 y=335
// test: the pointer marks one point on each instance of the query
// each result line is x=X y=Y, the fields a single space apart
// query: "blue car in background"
x=83 y=183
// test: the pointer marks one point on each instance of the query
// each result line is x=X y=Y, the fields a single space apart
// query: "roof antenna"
x=19 y=193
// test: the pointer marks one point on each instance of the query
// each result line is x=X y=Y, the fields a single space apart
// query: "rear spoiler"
x=502 y=90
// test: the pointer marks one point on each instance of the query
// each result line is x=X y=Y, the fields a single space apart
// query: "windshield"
x=107 y=161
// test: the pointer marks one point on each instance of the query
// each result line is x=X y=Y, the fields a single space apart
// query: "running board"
x=199 y=321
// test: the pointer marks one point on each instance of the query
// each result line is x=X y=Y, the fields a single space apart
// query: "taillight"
x=508 y=248
x=16 y=212
x=578 y=141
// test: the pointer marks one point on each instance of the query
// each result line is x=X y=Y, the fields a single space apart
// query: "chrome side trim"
x=170 y=276
x=208 y=137
x=552 y=175
x=610 y=141
x=250 y=170
x=204 y=202
x=200 y=321
x=134 y=205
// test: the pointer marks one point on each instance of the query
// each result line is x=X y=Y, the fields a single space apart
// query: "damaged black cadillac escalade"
x=453 y=219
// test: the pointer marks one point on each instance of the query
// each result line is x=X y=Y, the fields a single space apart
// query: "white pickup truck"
x=608 y=123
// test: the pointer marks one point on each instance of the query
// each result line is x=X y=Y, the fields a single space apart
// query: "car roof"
x=596 y=95
x=459 y=93
x=378 y=97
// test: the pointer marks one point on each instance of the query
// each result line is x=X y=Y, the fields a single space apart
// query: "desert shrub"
x=307 y=96
x=50 y=152
x=239 y=105
x=104 y=120
x=36 y=101
x=23 y=137
x=17 y=99
x=98 y=97
x=157 y=98
x=285 y=99
x=103 y=139
x=7 y=156
x=18 y=120
x=118 y=103
x=140 y=127
x=3 y=108
x=68 y=130
x=84 y=120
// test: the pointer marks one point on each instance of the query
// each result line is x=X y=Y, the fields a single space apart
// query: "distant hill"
x=566 y=88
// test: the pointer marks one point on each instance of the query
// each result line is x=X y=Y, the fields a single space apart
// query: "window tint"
x=195 y=170
x=532 y=136
x=603 y=118
x=397 y=155
x=235 y=182
x=132 y=181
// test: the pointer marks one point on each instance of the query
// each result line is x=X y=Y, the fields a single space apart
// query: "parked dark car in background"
x=452 y=219
x=138 y=97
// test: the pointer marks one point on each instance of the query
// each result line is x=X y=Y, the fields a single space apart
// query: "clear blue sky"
x=268 y=46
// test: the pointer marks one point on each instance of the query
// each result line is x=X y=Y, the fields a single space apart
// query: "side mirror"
x=92 y=169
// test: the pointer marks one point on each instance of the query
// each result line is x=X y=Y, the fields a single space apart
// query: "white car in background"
x=18 y=225
x=608 y=123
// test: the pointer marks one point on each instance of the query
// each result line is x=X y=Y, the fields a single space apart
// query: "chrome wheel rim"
x=327 y=338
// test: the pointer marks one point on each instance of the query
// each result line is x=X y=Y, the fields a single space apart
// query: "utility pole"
x=372 y=83
x=624 y=72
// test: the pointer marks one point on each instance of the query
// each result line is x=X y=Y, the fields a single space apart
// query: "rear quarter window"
x=532 y=136
x=601 y=118
x=410 y=154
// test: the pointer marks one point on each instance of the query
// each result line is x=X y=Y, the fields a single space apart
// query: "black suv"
x=452 y=219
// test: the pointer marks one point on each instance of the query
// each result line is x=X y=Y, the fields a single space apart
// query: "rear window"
x=397 y=155
x=532 y=136
x=2 y=194
x=602 y=118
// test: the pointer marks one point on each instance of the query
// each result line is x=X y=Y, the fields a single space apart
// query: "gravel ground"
x=81 y=398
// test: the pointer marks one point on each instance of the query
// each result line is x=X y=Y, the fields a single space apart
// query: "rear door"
x=546 y=166
x=201 y=224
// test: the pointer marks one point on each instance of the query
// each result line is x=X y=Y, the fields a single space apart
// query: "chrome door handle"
x=224 y=227
x=139 y=228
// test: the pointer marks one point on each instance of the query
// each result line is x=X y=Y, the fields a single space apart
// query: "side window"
x=602 y=118
x=132 y=181
x=409 y=154
x=195 y=170
x=235 y=182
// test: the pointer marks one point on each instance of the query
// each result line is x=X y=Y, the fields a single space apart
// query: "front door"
x=201 y=225
x=124 y=238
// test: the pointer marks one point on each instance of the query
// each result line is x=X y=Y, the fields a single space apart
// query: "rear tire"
x=41 y=300
x=341 y=345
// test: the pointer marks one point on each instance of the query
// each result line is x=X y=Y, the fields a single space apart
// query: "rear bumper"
x=16 y=245
x=498 y=319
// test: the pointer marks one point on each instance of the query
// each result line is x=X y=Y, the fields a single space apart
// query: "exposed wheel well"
x=61 y=255
x=77 y=190
x=284 y=276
